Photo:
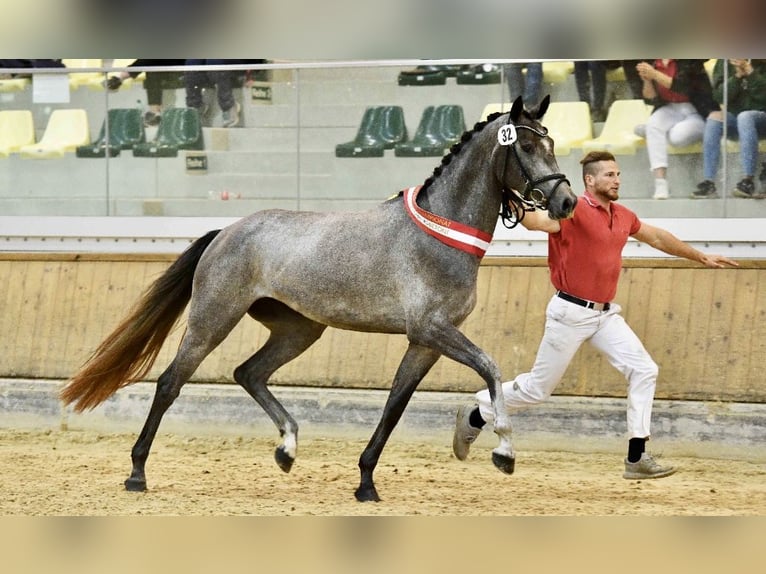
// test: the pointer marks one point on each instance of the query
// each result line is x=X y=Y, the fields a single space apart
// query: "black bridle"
x=515 y=206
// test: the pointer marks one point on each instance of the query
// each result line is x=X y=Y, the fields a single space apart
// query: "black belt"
x=583 y=302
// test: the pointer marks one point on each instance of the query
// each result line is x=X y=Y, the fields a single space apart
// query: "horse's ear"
x=516 y=109
x=543 y=107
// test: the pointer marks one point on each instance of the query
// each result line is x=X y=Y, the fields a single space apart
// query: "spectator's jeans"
x=711 y=143
x=528 y=88
x=591 y=75
x=677 y=124
x=567 y=327
x=751 y=124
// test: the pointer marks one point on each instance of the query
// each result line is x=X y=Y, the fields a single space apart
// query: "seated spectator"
x=153 y=84
x=745 y=117
x=590 y=79
x=682 y=96
x=196 y=80
x=529 y=88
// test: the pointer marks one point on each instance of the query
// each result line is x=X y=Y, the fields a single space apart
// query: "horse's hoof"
x=367 y=494
x=503 y=462
x=284 y=460
x=135 y=484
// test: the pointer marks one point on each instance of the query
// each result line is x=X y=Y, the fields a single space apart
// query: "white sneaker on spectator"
x=661 y=189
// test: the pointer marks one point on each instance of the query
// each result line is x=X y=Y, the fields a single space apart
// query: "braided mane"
x=457 y=147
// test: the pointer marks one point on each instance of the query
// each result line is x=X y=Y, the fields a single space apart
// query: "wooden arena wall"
x=705 y=328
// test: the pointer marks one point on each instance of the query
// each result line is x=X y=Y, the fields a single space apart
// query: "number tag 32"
x=506 y=135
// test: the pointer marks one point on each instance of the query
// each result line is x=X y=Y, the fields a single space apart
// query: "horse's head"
x=530 y=173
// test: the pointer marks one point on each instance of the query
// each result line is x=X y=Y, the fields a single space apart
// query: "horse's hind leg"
x=197 y=343
x=168 y=387
x=291 y=335
x=416 y=363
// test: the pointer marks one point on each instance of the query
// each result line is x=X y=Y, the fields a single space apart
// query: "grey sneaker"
x=465 y=434
x=705 y=190
x=646 y=467
x=745 y=188
x=152 y=118
x=231 y=116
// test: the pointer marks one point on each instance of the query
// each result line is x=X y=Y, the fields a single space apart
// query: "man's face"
x=605 y=183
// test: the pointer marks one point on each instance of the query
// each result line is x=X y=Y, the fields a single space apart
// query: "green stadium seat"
x=425 y=76
x=482 y=74
x=126 y=129
x=180 y=129
x=17 y=129
x=439 y=128
x=382 y=127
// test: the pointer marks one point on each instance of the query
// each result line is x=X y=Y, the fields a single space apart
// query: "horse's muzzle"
x=562 y=204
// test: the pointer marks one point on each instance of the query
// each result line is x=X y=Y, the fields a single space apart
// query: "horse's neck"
x=467 y=190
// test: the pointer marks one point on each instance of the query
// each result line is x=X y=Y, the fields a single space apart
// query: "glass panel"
x=307 y=136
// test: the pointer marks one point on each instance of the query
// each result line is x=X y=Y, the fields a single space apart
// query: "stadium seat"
x=732 y=146
x=14 y=84
x=382 y=127
x=92 y=80
x=180 y=129
x=426 y=76
x=439 y=128
x=126 y=129
x=615 y=74
x=557 y=72
x=617 y=135
x=481 y=74
x=569 y=124
x=709 y=66
x=66 y=129
x=17 y=129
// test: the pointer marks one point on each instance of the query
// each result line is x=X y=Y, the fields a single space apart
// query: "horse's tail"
x=128 y=353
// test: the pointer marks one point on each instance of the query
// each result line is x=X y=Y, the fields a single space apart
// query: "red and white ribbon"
x=452 y=233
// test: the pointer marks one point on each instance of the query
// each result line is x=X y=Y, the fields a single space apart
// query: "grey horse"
x=408 y=265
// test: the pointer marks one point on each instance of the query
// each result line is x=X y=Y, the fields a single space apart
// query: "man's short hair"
x=594 y=157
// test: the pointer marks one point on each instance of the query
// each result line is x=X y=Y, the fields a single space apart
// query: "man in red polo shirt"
x=585 y=260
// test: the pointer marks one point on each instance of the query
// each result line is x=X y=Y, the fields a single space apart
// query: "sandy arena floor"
x=80 y=472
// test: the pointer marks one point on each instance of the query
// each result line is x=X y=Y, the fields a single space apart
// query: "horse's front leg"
x=450 y=342
x=417 y=361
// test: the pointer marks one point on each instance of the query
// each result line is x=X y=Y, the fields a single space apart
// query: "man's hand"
x=718 y=261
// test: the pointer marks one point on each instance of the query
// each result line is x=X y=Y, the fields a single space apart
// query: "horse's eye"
x=527 y=147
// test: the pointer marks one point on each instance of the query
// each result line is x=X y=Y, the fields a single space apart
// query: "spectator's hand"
x=742 y=67
x=113 y=83
x=645 y=71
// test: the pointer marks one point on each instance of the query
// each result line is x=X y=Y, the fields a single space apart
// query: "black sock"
x=475 y=420
x=636 y=447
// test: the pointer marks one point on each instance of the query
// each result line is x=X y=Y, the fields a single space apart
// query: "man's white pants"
x=568 y=326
